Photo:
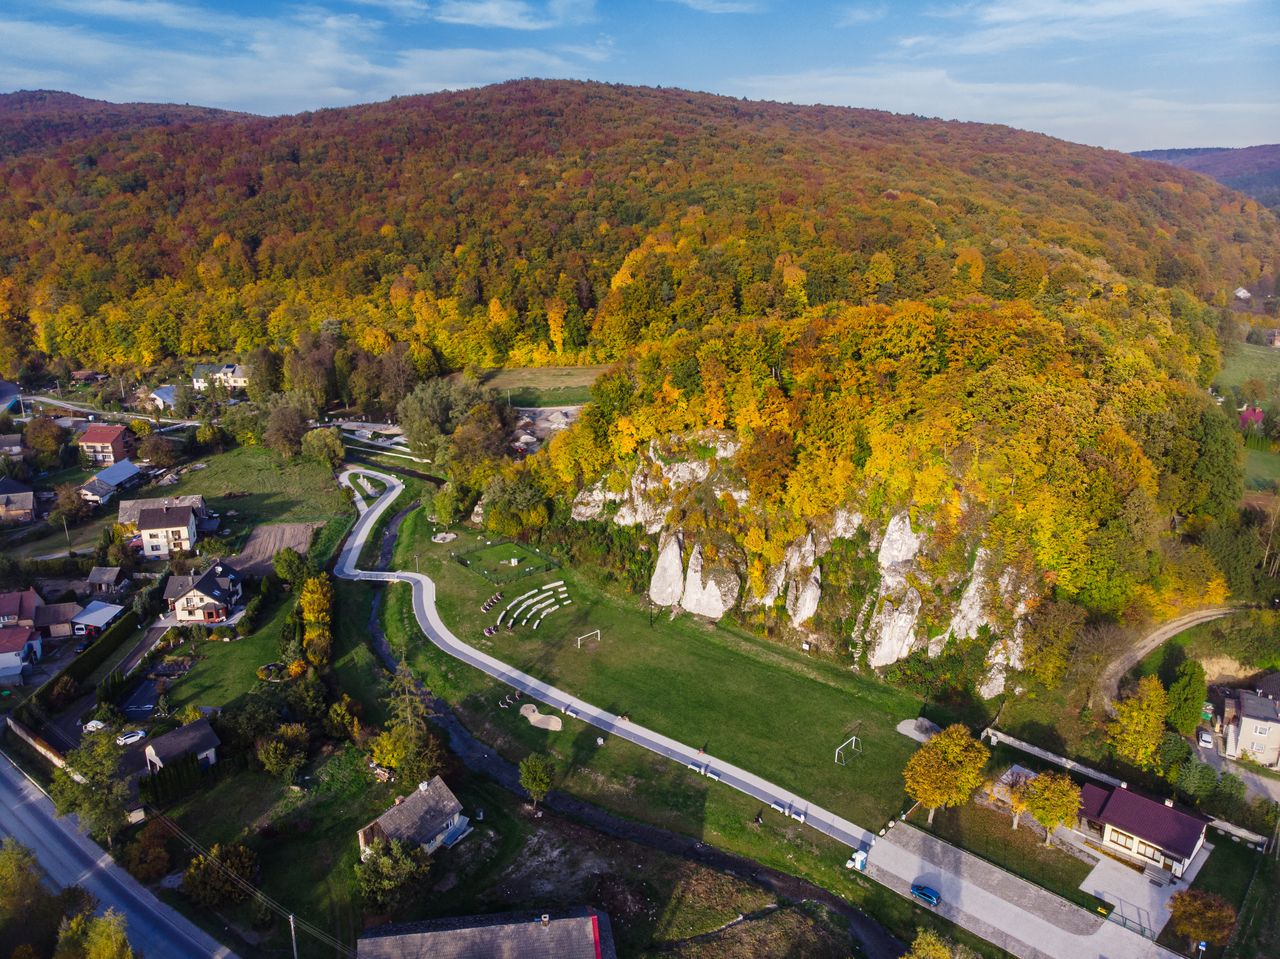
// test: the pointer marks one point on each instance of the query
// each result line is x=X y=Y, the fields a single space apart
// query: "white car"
x=130 y=737
x=93 y=725
x=1205 y=738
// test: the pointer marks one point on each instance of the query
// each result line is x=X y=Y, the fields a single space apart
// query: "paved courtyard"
x=1139 y=899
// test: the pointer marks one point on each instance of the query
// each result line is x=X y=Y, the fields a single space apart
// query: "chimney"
x=422 y=787
x=546 y=920
x=1169 y=803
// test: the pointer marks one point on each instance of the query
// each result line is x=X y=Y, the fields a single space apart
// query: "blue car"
x=926 y=895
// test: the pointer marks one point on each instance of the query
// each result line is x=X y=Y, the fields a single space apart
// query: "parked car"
x=1205 y=738
x=81 y=647
x=130 y=737
x=93 y=725
x=926 y=895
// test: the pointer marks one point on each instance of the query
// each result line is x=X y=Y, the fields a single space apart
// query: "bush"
x=207 y=882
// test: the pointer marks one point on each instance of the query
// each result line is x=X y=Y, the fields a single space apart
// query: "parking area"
x=1140 y=899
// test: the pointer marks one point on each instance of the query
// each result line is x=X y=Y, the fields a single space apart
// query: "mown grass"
x=1229 y=873
x=1246 y=361
x=544 y=385
x=226 y=671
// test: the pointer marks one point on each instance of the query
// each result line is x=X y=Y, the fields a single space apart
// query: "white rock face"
x=803 y=597
x=639 y=506
x=711 y=595
x=845 y=523
x=686 y=473
x=970 y=614
x=893 y=630
x=900 y=544
x=667 y=585
x=589 y=504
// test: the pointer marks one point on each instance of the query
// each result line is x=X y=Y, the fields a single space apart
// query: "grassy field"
x=1261 y=469
x=545 y=385
x=760 y=706
x=1229 y=873
x=226 y=671
x=507 y=563
x=990 y=834
x=1258 y=932
x=1247 y=362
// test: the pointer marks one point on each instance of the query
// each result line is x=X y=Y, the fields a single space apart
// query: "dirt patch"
x=1224 y=669
x=267 y=540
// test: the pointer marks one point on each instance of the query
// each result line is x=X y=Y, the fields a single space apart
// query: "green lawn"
x=1261 y=469
x=495 y=563
x=1247 y=361
x=1229 y=873
x=545 y=385
x=1258 y=933
x=226 y=671
x=765 y=708
x=990 y=834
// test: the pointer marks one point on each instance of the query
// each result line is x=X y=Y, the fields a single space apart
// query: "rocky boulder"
x=667 y=585
x=709 y=592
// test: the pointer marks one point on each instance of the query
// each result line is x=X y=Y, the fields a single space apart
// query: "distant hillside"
x=1252 y=170
x=33 y=120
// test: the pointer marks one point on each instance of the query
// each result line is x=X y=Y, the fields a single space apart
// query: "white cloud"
x=720 y=6
x=1119 y=119
x=858 y=15
x=513 y=14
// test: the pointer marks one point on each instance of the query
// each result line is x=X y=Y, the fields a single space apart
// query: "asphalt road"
x=1020 y=917
x=70 y=858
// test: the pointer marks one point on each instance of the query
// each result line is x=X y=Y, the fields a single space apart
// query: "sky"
x=1124 y=74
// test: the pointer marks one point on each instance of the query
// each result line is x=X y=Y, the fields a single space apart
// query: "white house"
x=102 y=487
x=233 y=376
x=430 y=817
x=19 y=646
x=208 y=597
x=166 y=530
x=162 y=397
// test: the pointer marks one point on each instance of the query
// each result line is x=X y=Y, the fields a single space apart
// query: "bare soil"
x=267 y=540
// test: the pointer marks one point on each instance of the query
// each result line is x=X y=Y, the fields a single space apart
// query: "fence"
x=539 y=564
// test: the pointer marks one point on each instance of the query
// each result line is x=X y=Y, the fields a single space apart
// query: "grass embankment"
x=1247 y=361
x=760 y=706
x=544 y=385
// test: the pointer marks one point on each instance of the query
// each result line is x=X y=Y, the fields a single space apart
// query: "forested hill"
x=538 y=220
x=1252 y=170
x=33 y=120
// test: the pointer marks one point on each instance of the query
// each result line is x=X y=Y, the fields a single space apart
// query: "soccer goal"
x=594 y=634
x=851 y=748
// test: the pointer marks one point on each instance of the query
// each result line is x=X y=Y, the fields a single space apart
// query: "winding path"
x=1015 y=915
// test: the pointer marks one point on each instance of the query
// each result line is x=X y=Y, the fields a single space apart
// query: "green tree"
x=1186 y=697
x=535 y=776
x=45 y=438
x=388 y=874
x=324 y=446
x=946 y=770
x=1053 y=799
x=280 y=758
x=156 y=449
x=1049 y=637
x=291 y=566
x=1196 y=779
x=408 y=745
x=221 y=876
x=1138 y=726
x=1202 y=915
x=68 y=506
x=88 y=936
x=99 y=797
x=285 y=426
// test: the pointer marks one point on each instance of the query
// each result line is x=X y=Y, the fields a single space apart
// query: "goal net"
x=594 y=634
x=851 y=748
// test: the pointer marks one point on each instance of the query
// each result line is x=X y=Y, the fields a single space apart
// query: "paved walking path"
x=1018 y=916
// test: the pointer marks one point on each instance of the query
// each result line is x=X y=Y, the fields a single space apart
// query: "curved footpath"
x=1016 y=915
x=71 y=859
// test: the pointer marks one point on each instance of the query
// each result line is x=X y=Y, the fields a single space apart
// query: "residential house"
x=94 y=619
x=106 y=443
x=19 y=648
x=166 y=530
x=162 y=398
x=1144 y=831
x=131 y=509
x=55 y=620
x=1251 y=727
x=11 y=445
x=576 y=933
x=194 y=739
x=208 y=597
x=87 y=376
x=19 y=608
x=430 y=817
x=107 y=582
x=17 y=502
x=232 y=376
x=106 y=484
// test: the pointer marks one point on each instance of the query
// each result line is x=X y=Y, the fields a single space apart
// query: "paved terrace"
x=1016 y=915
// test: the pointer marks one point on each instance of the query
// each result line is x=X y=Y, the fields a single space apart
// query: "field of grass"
x=494 y=563
x=763 y=707
x=545 y=385
x=226 y=671
x=1258 y=929
x=1247 y=362
x=1229 y=873
x=990 y=834
x=1261 y=469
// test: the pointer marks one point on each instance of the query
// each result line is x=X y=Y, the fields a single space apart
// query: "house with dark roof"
x=17 y=502
x=105 y=485
x=208 y=597
x=581 y=933
x=55 y=620
x=131 y=509
x=232 y=376
x=166 y=530
x=1144 y=831
x=1251 y=726
x=19 y=608
x=106 y=443
x=194 y=739
x=19 y=648
x=107 y=582
x=429 y=817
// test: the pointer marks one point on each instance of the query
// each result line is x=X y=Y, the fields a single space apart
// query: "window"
x=1257 y=747
x=1122 y=839
x=1149 y=851
x=1261 y=730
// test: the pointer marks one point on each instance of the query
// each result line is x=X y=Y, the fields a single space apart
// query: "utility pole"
x=293 y=934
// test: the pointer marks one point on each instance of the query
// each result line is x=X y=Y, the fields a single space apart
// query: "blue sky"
x=1127 y=74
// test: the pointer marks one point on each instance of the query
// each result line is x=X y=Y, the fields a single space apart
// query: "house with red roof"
x=19 y=647
x=19 y=608
x=106 y=443
x=1144 y=831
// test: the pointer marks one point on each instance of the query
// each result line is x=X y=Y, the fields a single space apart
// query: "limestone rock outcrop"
x=667 y=585
x=709 y=592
